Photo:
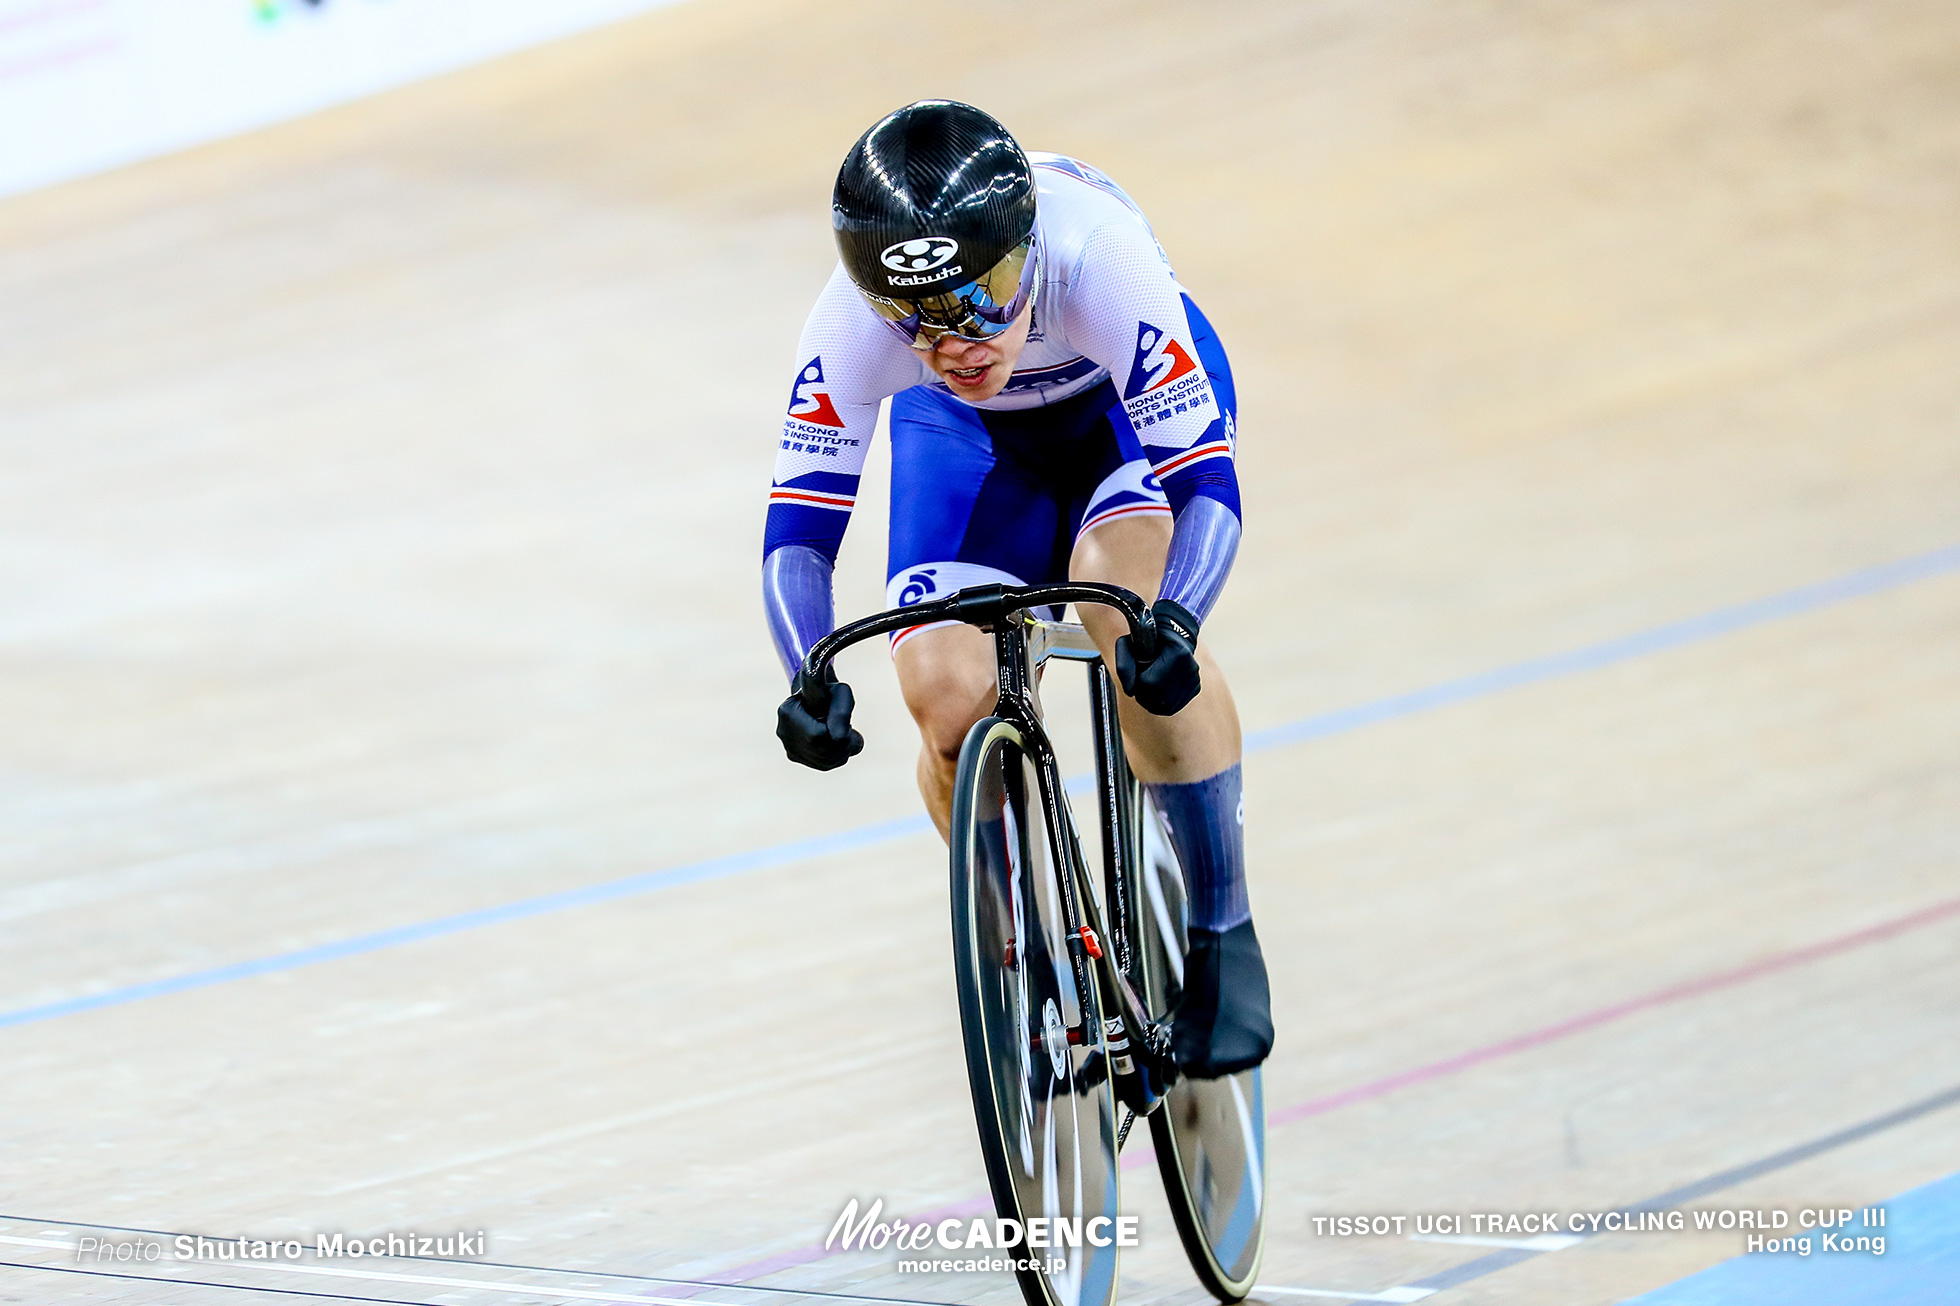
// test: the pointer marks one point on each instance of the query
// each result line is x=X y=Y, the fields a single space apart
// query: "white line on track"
x=700 y=1285
x=1544 y=1242
x=377 y=1276
x=1386 y=1294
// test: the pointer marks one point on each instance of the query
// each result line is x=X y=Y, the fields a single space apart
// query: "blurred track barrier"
x=86 y=85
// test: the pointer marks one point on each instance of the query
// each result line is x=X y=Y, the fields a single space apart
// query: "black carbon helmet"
x=934 y=217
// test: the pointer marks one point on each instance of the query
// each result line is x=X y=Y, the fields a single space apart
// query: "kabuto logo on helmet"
x=923 y=260
x=921 y=255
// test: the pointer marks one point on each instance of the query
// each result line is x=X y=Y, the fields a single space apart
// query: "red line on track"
x=1606 y=1015
x=1552 y=1033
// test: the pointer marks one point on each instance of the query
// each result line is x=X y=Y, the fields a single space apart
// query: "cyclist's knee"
x=945 y=709
x=943 y=725
x=947 y=677
x=943 y=735
x=1129 y=551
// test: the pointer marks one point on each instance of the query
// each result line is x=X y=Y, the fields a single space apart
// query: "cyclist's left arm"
x=1127 y=312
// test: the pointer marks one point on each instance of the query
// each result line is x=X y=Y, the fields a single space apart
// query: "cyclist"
x=1060 y=409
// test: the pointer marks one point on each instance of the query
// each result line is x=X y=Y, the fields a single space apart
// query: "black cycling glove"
x=1165 y=681
x=818 y=733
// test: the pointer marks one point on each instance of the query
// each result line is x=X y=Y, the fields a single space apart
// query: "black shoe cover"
x=1224 y=1024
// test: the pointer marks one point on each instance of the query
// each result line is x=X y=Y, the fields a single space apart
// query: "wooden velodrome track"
x=380 y=543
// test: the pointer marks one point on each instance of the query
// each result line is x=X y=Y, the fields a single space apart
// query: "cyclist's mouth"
x=968 y=376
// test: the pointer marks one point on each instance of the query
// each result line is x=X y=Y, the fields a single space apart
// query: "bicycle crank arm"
x=1139 y=1048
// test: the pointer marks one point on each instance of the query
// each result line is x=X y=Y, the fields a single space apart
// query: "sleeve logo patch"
x=1159 y=361
x=1164 y=383
x=809 y=401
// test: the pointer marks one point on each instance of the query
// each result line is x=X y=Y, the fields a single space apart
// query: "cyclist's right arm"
x=847 y=363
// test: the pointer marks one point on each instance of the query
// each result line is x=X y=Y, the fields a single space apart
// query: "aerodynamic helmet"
x=934 y=216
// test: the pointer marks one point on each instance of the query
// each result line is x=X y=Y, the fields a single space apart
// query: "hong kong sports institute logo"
x=1159 y=362
x=809 y=401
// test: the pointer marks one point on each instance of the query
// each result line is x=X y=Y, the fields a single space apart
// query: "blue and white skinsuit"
x=1121 y=404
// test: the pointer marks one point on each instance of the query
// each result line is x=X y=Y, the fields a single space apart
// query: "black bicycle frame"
x=1116 y=805
x=1138 y=1048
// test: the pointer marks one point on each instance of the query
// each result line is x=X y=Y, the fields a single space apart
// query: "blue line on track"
x=1708 y=625
x=714 y=868
x=1919 y=1266
x=1808 y=598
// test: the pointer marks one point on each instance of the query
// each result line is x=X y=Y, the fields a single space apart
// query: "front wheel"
x=1033 y=1027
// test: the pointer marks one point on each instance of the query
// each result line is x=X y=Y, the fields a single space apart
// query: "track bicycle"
x=1066 y=997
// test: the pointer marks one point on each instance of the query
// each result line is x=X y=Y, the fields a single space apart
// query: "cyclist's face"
x=976 y=370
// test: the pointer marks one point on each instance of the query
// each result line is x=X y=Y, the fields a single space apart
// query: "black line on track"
x=196 y=1283
x=501 y=1265
x=1673 y=1197
x=1801 y=1152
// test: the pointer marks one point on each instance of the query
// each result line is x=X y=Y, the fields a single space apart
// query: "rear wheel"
x=1033 y=1029
x=1210 y=1134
